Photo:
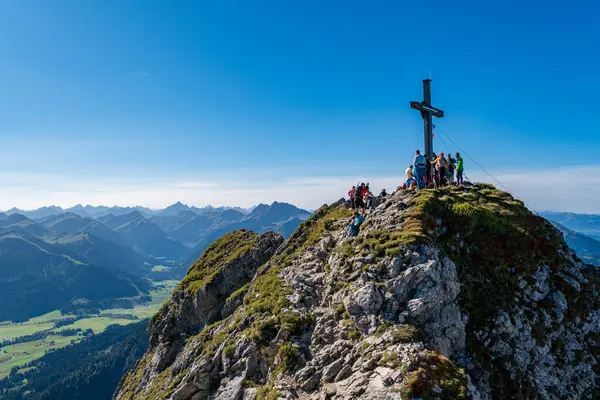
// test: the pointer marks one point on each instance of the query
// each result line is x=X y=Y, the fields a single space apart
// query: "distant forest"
x=90 y=369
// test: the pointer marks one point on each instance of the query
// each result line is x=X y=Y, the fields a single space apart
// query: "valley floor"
x=51 y=333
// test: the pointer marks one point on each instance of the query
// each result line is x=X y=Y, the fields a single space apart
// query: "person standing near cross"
x=420 y=164
x=459 y=169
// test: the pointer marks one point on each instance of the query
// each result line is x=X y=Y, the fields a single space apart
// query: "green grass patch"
x=405 y=333
x=238 y=294
x=287 y=357
x=383 y=243
x=354 y=335
x=218 y=254
x=267 y=392
x=316 y=227
x=390 y=360
x=229 y=350
x=435 y=378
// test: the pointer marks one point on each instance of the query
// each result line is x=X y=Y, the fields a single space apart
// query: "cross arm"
x=436 y=112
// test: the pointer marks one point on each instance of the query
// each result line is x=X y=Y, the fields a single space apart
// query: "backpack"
x=358 y=192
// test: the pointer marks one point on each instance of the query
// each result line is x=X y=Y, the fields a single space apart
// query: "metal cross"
x=427 y=112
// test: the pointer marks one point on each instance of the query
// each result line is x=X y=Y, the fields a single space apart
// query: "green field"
x=12 y=331
x=52 y=316
x=160 y=294
x=97 y=324
x=22 y=353
x=9 y=331
x=160 y=268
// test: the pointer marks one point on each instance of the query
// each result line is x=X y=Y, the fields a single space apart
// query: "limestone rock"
x=433 y=299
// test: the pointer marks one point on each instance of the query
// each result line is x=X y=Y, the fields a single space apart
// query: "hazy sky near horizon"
x=237 y=102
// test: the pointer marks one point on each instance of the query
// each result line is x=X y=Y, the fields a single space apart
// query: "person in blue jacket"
x=420 y=164
x=354 y=227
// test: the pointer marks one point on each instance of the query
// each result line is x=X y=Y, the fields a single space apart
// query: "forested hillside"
x=87 y=370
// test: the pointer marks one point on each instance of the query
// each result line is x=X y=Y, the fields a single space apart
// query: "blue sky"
x=235 y=102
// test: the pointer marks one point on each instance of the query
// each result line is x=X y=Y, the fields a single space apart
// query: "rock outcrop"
x=452 y=293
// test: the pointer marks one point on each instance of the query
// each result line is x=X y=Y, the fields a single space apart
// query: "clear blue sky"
x=126 y=90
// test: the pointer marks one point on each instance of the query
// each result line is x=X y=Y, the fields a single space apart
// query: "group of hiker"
x=360 y=199
x=439 y=171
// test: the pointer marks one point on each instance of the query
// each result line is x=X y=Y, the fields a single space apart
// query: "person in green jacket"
x=459 y=169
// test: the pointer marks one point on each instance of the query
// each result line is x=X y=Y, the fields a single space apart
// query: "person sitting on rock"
x=354 y=227
x=383 y=193
x=409 y=176
x=409 y=172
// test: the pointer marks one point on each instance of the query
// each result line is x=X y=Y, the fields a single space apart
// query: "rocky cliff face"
x=453 y=293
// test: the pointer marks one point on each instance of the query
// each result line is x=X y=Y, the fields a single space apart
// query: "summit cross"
x=427 y=112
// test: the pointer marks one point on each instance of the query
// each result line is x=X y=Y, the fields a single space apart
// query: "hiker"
x=365 y=189
x=354 y=227
x=434 y=177
x=459 y=169
x=409 y=172
x=358 y=198
x=351 y=195
x=451 y=168
x=441 y=164
x=383 y=193
x=420 y=164
x=367 y=197
x=410 y=177
x=413 y=185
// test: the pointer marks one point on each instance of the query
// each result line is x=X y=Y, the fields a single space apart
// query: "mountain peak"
x=179 y=206
x=15 y=219
x=430 y=300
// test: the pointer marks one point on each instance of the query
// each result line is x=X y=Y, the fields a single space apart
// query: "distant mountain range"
x=581 y=232
x=101 y=211
x=588 y=224
x=37 y=276
x=587 y=248
x=84 y=256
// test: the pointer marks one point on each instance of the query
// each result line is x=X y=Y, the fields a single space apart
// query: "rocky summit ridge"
x=445 y=294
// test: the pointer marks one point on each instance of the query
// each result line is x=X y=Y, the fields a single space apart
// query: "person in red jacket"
x=351 y=196
x=367 y=196
x=365 y=190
